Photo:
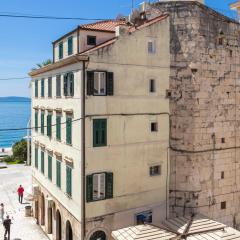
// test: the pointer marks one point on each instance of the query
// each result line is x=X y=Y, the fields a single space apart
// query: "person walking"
x=2 y=212
x=7 y=225
x=20 y=193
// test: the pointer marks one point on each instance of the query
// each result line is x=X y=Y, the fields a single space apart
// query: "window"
x=58 y=127
x=58 y=85
x=100 y=83
x=223 y=140
x=144 y=217
x=42 y=162
x=69 y=84
x=58 y=173
x=50 y=167
x=49 y=87
x=49 y=125
x=42 y=88
x=152 y=85
x=69 y=130
x=91 y=40
x=151 y=47
x=98 y=235
x=99 y=132
x=154 y=127
x=155 y=170
x=42 y=122
x=36 y=121
x=60 y=50
x=222 y=175
x=99 y=186
x=69 y=181
x=223 y=205
x=70 y=45
x=36 y=88
x=36 y=157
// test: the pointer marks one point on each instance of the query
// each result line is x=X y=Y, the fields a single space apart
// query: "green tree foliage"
x=43 y=64
x=20 y=150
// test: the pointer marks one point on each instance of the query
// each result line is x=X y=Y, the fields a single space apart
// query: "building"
x=101 y=141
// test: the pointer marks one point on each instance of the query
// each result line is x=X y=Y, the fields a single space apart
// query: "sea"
x=13 y=115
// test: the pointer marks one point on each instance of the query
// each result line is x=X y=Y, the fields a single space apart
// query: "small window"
x=42 y=87
x=154 y=127
x=49 y=87
x=69 y=84
x=36 y=88
x=155 y=170
x=70 y=45
x=42 y=122
x=152 y=85
x=69 y=130
x=99 y=132
x=144 y=217
x=49 y=125
x=223 y=205
x=58 y=85
x=36 y=121
x=222 y=175
x=58 y=173
x=91 y=40
x=99 y=83
x=69 y=181
x=230 y=53
x=223 y=140
x=36 y=157
x=58 y=127
x=151 y=47
x=98 y=186
x=60 y=50
x=50 y=167
x=42 y=162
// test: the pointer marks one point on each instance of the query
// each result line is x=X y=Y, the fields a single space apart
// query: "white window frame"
x=100 y=81
x=99 y=189
x=151 y=48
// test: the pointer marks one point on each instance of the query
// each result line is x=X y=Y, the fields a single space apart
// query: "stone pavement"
x=22 y=228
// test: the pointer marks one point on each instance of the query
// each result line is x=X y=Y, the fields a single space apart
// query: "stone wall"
x=205 y=112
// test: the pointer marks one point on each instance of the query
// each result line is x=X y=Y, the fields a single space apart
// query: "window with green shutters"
x=58 y=85
x=99 y=186
x=42 y=162
x=69 y=130
x=50 y=87
x=36 y=121
x=99 y=132
x=50 y=167
x=42 y=122
x=60 y=50
x=58 y=173
x=69 y=181
x=36 y=88
x=42 y=88
x=36 y=157
x=70 y=45
x=58 y=128
x=49 y=125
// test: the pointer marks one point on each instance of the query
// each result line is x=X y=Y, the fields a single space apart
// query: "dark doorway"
x=58 y=226
x=69 y=233
x=42 y=210
x=99 y=235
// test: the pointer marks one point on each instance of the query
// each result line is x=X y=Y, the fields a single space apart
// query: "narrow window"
x=36 y=88
x=60 y=50
x=49 y=125
x=91 y=40
x=151 y=47
x=42 y=162
x=223 y=140
x=99 y=132
x=144 y=217
x=223 y=205
x=152 y=86
x=69 y=130
x=222 y=175
x=154 y=127
x=58 y=173
x=58 y=127
x=69 y=181
x=58 y=85
x=36 y=157
x=230 y=53
x=50 y=87
x=99 y=83
x=70 y=45
x=42 y=122
x=155 y=170
x=36 y=121
x=42 y=88
x=69 y=84
x=50 y=167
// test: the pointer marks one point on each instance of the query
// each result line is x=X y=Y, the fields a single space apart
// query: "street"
x=22 y=228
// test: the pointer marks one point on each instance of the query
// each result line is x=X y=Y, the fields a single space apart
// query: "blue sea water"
x=13 y=115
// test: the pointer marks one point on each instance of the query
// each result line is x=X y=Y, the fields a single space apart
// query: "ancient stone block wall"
x=205 y=112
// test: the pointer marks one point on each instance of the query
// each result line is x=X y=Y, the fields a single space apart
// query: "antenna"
x=132 y=5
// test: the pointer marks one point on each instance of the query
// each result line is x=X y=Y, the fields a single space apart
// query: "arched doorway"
x=42 y=210
x=50 y=220
x=69 y=233
x=58 y=226
x=98 y=235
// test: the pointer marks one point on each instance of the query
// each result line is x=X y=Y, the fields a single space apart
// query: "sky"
x=25 y=42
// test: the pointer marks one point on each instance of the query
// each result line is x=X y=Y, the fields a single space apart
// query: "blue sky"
x=25 y=42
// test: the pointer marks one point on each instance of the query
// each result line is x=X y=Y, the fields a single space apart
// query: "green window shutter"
x=58 y=173
x=60 y=49
x=42 y=123
x=109 y=185
x=70 y=45
x=58 y=85
x=42 y=162
x=36 y=121
x=65 y=85
x=110 y=83
x=58 y=128
x=69 y=180
x=71 y=84
x=42 y=88
x=36 y=88
x=99 y=132
x=90 y=82
x=49 y=125
x=49 y=167
x=49 y=87
x=36 y=158
x=69 y=130
x=89 y=188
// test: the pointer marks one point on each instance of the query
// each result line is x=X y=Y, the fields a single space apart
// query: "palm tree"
x=43 y=64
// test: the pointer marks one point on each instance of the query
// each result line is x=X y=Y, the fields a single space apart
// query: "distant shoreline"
x=15 y=99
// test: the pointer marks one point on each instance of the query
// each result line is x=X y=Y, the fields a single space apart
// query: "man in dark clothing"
x=7 y=224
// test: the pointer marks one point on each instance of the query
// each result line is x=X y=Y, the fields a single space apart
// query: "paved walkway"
x=22 y=228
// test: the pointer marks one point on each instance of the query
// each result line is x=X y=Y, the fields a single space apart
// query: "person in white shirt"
x=2 y=212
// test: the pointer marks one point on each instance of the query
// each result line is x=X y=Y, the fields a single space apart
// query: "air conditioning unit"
x=36 y=190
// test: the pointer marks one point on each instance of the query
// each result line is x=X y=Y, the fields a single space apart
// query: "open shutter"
x=90 y=83
x=109 y=185
x=110 y=83
x=65 y=85
x=89 y=188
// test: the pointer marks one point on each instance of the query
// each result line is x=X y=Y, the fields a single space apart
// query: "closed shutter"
x=42 y=88
x=89 y=188
x=49 y=87
x=42 y=123
x=36 y=88
x=99 y=132
x=60 y=50
x=65 y=85
x=49 y=125
x=71 y=84
x=42 y=162
x=109 y=185
x=69 y=180
x=58 y=85
x=70 y=45
x=36 y=121
x=58 y=126
x=58 y=173
x=110 y=84
x=90 y=83
x=69 y=130
x=36 y=158
x=49 y=167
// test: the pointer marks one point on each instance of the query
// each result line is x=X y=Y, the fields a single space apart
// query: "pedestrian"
x=20 y=193
x=2 y=212
x=7 y=224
